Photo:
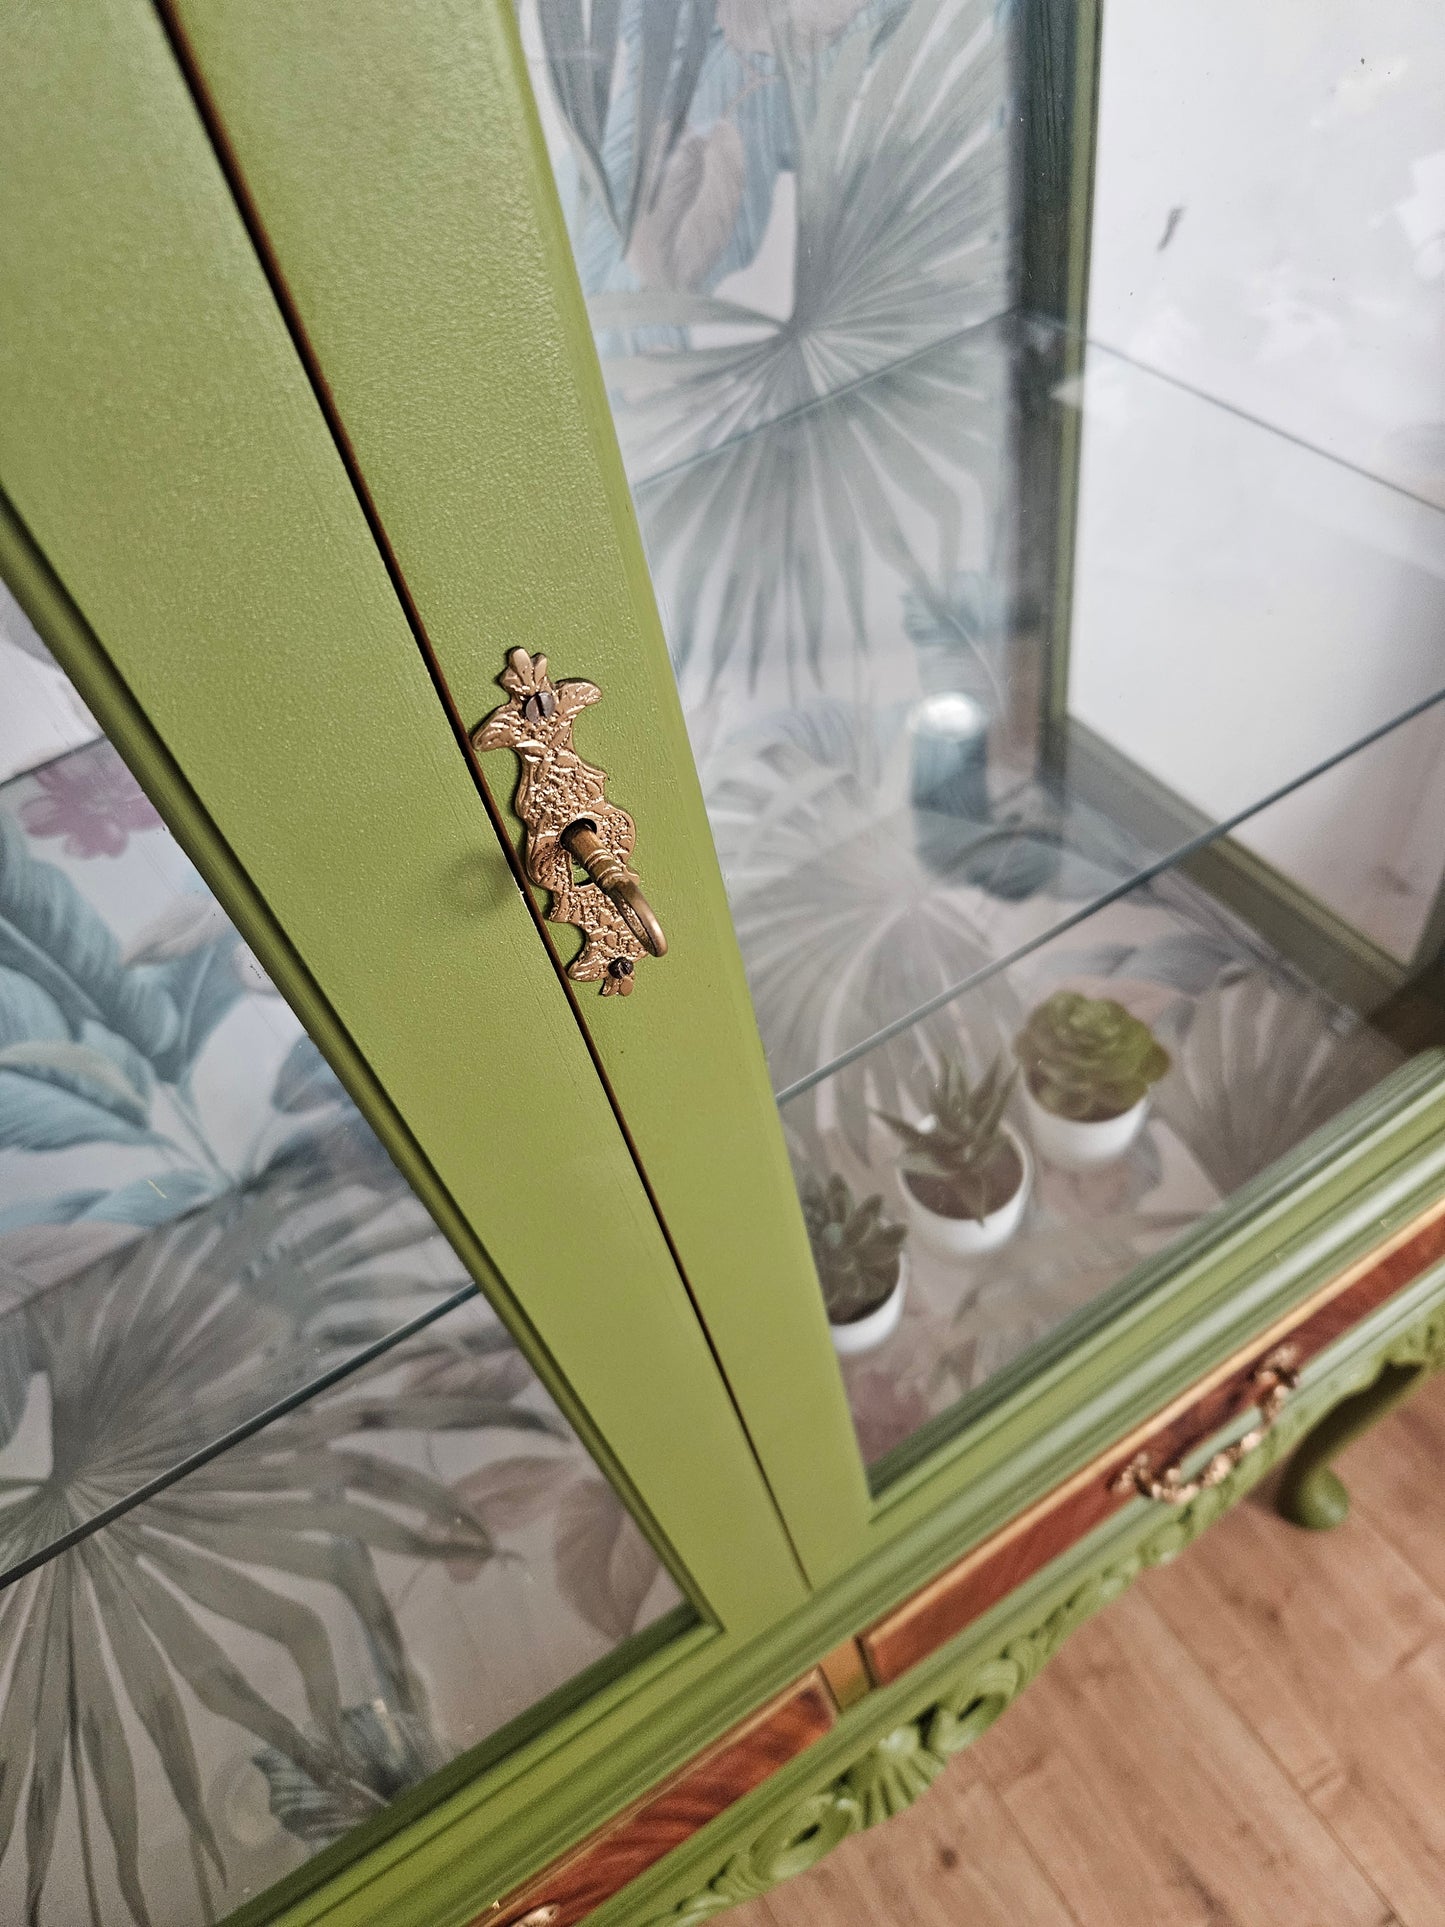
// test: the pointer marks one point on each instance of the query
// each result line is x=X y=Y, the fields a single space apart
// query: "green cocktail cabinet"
x=518 y=1544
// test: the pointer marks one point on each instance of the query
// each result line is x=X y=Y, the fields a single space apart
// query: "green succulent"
x=962 y=1163
x=1087 y=1058
x=856 y=1250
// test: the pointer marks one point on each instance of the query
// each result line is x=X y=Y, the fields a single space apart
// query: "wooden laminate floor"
x=1252 y=1737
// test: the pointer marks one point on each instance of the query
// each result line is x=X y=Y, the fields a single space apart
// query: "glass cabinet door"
x=355 y=1427
x=1059 y=657
x=1038 y=484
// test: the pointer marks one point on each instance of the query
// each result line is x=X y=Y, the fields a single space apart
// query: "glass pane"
x=239 y=1670
x=42 y=715
x=1028 y=642
x=172 y=1144
x=287 y=1521
x=848 y=815
x=1260 y=1055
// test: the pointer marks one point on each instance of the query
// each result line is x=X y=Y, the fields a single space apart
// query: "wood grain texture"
x=1394 y=1480
x=1337 y=1654
x=1252 y=1738
x=916 y=1873
x=639 y=1838
x=987 y=1574
x=846 y=1672
x=1277 y=1646
x=1192 y=1808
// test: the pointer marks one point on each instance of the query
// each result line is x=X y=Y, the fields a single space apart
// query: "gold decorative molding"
x=1272 y=1382
x=956 y=1707
x=991 y=1570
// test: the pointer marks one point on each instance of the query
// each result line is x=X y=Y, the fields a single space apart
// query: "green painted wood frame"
x=889 y=1748
x=179 y=524
x=396 y=178
x=395 y=173
x=1395 y=1169
x=1333 y=1203
x=160 y=439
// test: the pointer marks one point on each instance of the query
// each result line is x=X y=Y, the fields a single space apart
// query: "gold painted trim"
x=1270 y=1338
x=846 y=1672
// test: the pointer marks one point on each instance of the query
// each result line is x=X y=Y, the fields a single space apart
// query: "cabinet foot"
x=1311 y=1493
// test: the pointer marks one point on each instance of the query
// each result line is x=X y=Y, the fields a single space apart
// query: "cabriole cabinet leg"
x=1311 y=1493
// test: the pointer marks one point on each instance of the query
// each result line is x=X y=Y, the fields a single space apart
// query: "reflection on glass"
x=239 y=1670
x=1031 y=652
x=286 y=1519
x=907 y=853
x=172 y=1146
x=1258 y=1058
x=752 y=207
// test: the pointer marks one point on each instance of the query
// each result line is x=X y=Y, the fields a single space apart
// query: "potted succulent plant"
x=862 y=1266
x=965 y=1172
x=1088 y=1064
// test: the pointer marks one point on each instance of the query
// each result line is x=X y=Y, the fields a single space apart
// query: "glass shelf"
x=1204 y=791
x=195 y=1220
x=278 y=1644
x=898 y=810
x=1015 y=656
x=1261 y=1057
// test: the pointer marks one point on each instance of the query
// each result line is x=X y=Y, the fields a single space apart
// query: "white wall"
x=1247 y=600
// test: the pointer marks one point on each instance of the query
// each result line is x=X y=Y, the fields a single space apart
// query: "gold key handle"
x=611 y=874
x=568 y=823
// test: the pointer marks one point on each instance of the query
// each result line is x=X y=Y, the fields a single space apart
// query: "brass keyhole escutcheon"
x=567 y=819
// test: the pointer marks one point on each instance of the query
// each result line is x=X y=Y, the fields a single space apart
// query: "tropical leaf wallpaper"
x=795 y=223
x=792 y=223
x=42 y=714
x=1261 y=1058
x=771 y=200
x=286 y=1520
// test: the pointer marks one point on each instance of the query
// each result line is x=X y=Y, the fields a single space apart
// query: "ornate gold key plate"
x=569 y=822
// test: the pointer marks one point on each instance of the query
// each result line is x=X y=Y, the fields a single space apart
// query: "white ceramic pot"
x=1076 y=1146
x=863 y=1334
x=972 y=1237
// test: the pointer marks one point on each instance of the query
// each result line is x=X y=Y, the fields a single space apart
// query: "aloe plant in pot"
x=965 y=1172
x=1088 y=1066
x=861 y=1263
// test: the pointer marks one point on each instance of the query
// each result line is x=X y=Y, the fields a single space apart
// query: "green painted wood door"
x=393 y=166
x=180 y=532
x=850 y=421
